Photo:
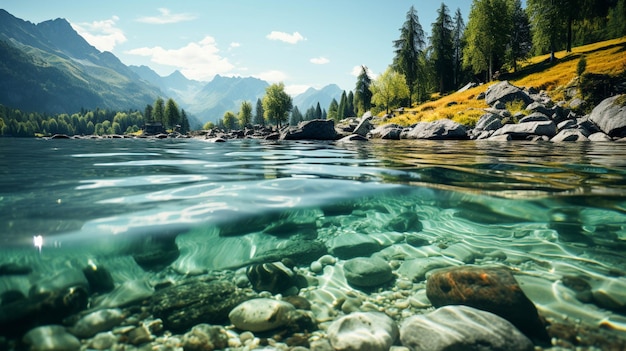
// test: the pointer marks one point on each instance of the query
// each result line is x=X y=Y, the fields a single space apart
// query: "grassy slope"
x=607 y=57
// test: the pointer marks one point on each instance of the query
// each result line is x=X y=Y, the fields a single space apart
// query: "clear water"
x=547 y=210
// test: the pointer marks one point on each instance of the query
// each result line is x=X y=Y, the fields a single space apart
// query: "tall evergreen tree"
x=172 y=114
x=184 y=122
x=457 y=44
x=350 y=105
x=442 y=47
x=617 y=20
x=548 y=25
x=159 y=111
x=486 y=35
x=408 y=50
x=343 y=105
x=258 y=113
x=520 y=42
x=147 y=114
x=318 y=111
x=362 y=93
x=332 y=110
x=296 y=116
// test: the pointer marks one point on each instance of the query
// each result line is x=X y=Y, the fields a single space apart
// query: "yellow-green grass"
x=607 y=57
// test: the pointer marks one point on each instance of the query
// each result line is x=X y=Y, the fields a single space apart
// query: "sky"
x=302 y=43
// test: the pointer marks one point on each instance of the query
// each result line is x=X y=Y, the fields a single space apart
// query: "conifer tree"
x=457 y=44
x=332 y=110
x=362 y=93
x=296 y=116
x=520 y=42
x=258 y=114
x=318 y=111
x=159 y=111
x=341 y=110
x=350 y=105
x=184 y=122
x=442 y=48
x=408 y=50
x=172 y=114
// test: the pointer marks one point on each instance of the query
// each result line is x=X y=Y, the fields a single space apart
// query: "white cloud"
x=320 y=60
x=104 y=35
x=167 y=17
x=235 y=44
x=356 y=70
x=272 y=76
x=286 y=37
x=199 y=61
x=296 y=89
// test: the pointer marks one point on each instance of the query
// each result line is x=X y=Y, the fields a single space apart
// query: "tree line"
x=14 y=122
x=498 y=36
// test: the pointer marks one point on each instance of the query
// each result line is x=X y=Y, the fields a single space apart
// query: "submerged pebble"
x=261 y=314
x=51 y=338
x=363 y=331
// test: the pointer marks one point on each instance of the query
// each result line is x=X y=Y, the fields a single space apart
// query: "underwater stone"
x=99 y=279
x=185 y=305
x=96 y=322
x=58 y=282
x=49 y=308
x=157 y=252
x=371 y=331
x=14 y=269
x=51 y=338
x=348 y=246
x=301 y=252
x=462 y=328
x=205 y=337
x=416 y=269
x=128 y=293
x=491 y=289
x=367 y=272
x=102 y=341
x=405 y=222
x=258 y=315
x=273 y=277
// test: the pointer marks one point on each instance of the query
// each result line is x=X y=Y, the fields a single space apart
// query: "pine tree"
x=487 y=35
x=296 y=116
x=332 y=110
x=341 y=110
x=457 y=43
x=408 y=50
x=548 y=25
x=520 y=42
x=184 y=122
x=148 y=114
x=258 y=116
x=442 y=46
x=350 y=105
x=159 y=111
x=172 y=114
x=318 y=111
x=362 y=93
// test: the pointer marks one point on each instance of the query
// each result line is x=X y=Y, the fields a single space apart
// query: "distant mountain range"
x=48 y=67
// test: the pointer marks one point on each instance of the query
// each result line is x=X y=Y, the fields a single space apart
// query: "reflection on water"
x=548 y=210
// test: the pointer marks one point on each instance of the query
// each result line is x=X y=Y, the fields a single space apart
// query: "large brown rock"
x=490 y=289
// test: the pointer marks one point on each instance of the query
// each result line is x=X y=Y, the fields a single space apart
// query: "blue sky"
x=299 y=42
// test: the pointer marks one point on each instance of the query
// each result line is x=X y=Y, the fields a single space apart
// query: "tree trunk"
x=569 y=33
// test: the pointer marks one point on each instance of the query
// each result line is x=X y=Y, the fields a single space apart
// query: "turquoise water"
x=546 y=210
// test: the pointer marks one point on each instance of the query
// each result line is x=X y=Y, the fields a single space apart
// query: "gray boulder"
x=505 y=92
x=367 y=272
x=538 y=107
x=317 y=129
x=438 y=130
x=462 y=328
x=364 y=125
x=569 y=135
x=567 y=124
x=353 y=245
x=599 y=136
x=489 y=121
x=372 y=331
x=262 y=314
x=388 y=131
x=534 y=117
x=524 y=130
x=610 y=116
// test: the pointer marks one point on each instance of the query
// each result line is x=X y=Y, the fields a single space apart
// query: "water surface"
x=547 y=210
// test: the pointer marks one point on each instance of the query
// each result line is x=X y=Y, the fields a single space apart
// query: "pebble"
x=205 y=337
x=462 y=328
x=103 y=341
x=371 y=331
x=367 y=272
x=98 y=321
x=51 y=338
x=263 y=314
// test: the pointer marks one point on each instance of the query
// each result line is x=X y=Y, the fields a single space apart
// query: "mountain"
x=312 y=96
x=176 y=85
x=226 y=94
x=49 y=67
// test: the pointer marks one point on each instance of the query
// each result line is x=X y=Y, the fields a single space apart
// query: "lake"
x=547 y=210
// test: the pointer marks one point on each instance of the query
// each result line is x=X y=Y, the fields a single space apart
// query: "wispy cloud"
x=286 y=37
x=356 y=70
x=320 y=60
x=167 y=17
x=235 y=44
x=273 y=76
x=200 y=61
x=296 y=89
x=104 y=35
